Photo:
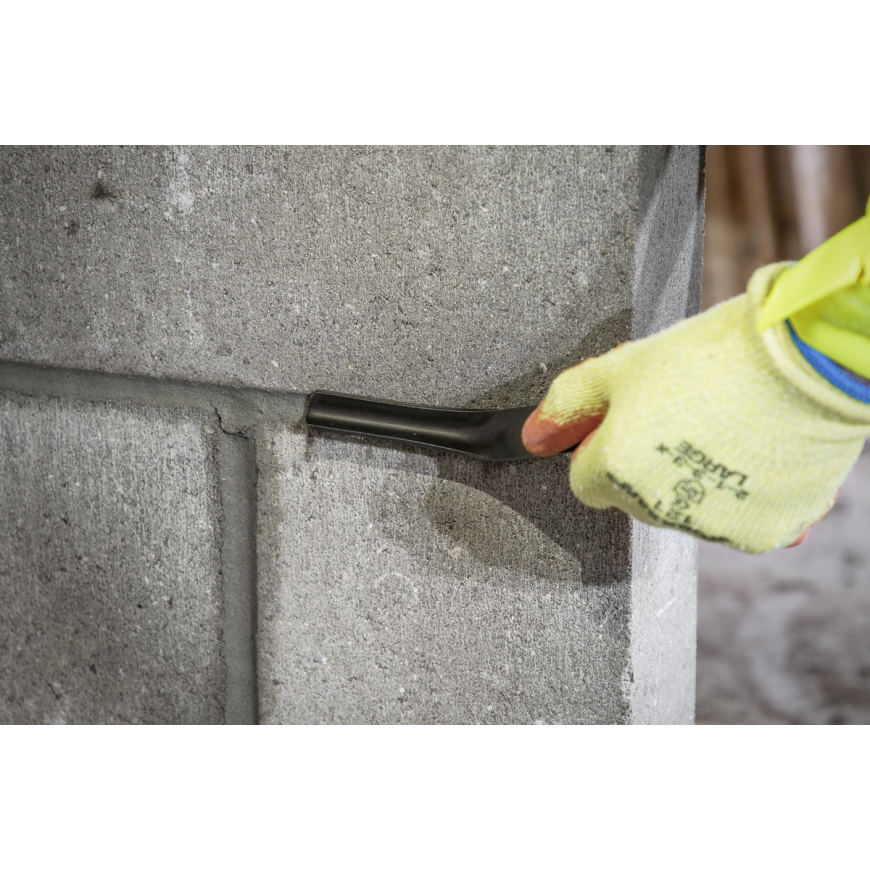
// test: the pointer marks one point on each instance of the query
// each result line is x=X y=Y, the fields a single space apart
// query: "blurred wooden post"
x=721 y=272
x=824 y=192
x=741 y=231
x=775 y=202
x=754 y=180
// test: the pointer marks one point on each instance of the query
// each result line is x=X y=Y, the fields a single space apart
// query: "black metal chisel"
x=493 y=434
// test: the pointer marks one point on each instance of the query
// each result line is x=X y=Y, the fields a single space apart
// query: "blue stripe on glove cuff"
x=829 y=370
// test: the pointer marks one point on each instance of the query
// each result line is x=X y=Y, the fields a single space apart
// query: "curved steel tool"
x=491 y=434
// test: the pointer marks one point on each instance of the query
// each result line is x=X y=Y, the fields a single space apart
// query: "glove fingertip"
x=544 y=437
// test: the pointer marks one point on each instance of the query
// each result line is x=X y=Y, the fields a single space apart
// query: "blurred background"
x=784 y=638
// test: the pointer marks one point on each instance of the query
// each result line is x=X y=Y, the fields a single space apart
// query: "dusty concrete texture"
x=404 y=586
x=393 y=585
x=110 y=578
x=434 y=274
x=784 y=638
x=400 y=586
x=663 y=629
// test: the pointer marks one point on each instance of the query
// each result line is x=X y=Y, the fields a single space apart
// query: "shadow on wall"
x=520 y=516
x=495 y=499
x=531 y=387
x=487 y=509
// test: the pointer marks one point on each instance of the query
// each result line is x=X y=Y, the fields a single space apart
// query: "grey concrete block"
x=394 y=585
x=663 y=627
x=669 y=237
x=452 y=275
x=110 y=579
x=400 y=586
x=667 y=287
x=784 y=638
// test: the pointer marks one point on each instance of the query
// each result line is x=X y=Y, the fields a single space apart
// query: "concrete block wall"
x=182 y=550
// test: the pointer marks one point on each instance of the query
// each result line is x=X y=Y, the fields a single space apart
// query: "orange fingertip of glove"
x=544 y=437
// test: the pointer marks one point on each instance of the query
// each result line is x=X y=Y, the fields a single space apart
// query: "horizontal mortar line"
x=240 y=408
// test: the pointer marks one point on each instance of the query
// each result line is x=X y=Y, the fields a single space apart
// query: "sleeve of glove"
x=708 y=427
x=826 y=298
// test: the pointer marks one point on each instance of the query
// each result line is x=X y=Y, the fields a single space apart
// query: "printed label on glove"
x=690 y=491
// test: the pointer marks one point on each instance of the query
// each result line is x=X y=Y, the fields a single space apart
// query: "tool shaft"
x=493 y=434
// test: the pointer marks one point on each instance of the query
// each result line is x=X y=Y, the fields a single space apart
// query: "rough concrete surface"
x=670 y=237
x=401 y=586
x=436 y=274
x=663 y=626
x=784 y=638
x=393 y=585
x=398 y=586
x=110 y=576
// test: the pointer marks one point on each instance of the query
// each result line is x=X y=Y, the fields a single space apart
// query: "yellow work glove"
x=708 y=427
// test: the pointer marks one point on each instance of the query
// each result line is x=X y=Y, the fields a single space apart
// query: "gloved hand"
x=708 y=427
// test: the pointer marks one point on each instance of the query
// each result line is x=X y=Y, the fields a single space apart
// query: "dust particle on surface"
x=101 y=190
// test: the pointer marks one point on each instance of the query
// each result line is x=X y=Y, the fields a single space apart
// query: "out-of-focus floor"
x=784 y=638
